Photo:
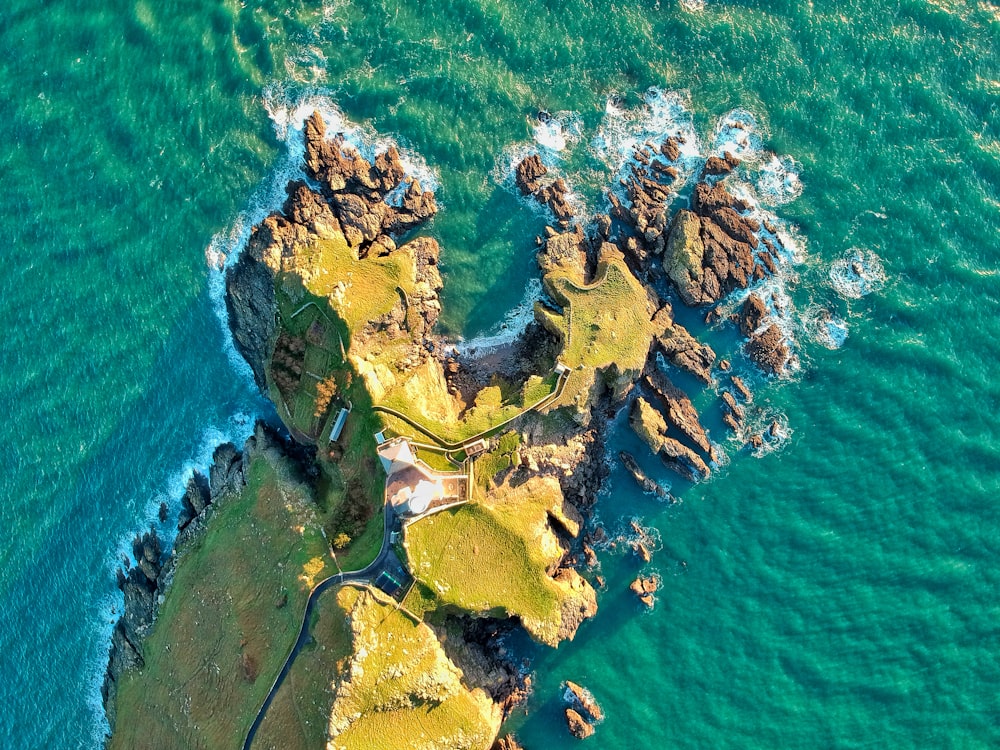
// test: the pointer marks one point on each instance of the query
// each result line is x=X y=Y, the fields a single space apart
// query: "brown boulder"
x=752 y=314
x=716 y=165
x=685 y=352
x=528 y=173
x=577 y=725
x=644 y=587
x=741 y=388
x=769 y=350
x=683 y=460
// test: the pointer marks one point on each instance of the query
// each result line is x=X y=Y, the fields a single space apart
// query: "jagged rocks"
x=716 y=165
x=647 y=484
x=580 y=698
x=681 y=348
x=196 y=498
x=716 y=236
x=680 y=412
x=741 y=388
x=650 y=425
x=252 y=310
x=226 y=473
x=577 y=725
x=644 y=587
x=684 y=256
x=528 y=174
x=356 y=190
x=767 y=346
x=507 y=742
x=528 y=177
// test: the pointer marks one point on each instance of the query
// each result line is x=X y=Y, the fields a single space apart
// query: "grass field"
x=228 y=621
x=492 y=557
x=359 y=290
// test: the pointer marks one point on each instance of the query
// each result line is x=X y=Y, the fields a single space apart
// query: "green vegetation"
x=492 y=557
x=400 y=691
x=499 y=459
x=359 y=291
x=299 y=715
x=215 y=648
x=604 y=327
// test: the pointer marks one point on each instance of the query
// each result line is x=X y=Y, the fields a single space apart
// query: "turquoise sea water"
x=839 y=592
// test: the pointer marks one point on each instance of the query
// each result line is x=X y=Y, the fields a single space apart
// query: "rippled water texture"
x=838 y=592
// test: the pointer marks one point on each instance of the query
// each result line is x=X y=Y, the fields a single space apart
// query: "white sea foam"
x=824 y=327
x=664 y=114
x=777 y=180
x=858 y=273
x=507 y=330
x=693 y=6
x=739 y=134
x=557 y=132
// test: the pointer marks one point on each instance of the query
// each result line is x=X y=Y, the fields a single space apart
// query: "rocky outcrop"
x=680 y=412
x=197 y=497
x=507 y=742
x=253 y=311
x=577 y=725
x=767 y=345
x=358 y=190
x=644 y=587
x=579 y=602
x=647 y=484
x=684 y=256
x=648 y=187
x=528 y=176
x=682 y=349
x=650 y=425
x=720 y=165
x=711 y=249
x=579 y=697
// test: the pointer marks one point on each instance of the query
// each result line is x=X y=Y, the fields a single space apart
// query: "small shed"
x=476 y=447
x=338 y=426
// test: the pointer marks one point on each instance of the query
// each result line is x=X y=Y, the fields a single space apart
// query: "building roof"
x=396 y=455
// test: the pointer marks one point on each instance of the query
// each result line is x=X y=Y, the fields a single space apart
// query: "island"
x=345 y=578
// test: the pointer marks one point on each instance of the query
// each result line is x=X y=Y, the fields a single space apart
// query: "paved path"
x=365 y=575
x=560 y=386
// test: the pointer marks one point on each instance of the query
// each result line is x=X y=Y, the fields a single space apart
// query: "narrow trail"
x=364 y=575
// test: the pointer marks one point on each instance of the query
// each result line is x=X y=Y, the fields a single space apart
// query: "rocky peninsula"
x=417 y=503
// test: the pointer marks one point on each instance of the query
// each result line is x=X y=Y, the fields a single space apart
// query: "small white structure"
x=561 y=369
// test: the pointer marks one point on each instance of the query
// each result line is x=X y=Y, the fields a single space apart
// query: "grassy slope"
x=493 y=556
x=193 y=692
x=299 y=716
x=604 y=325
x=401 y=692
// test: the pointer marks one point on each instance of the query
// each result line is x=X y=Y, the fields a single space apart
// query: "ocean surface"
x=840 y=591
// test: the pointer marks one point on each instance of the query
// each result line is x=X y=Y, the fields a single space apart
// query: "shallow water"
x=838 y=592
